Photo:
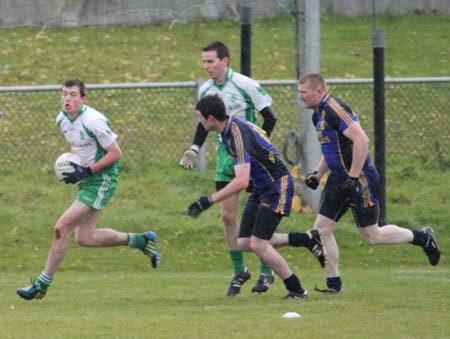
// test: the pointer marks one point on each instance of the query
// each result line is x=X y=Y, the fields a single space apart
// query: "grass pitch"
x=390 y=291
x=402 y=302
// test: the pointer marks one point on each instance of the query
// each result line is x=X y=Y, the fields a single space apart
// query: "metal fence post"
x=378 y=40
x=246 y=41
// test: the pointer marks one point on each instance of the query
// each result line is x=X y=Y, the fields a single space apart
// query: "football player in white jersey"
x=242 y=96
x=90 y=137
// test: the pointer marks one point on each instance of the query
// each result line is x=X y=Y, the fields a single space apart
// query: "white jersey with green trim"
x=241 y=95
x=88 y=133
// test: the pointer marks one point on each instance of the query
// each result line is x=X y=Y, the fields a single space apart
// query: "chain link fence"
x=156 y=121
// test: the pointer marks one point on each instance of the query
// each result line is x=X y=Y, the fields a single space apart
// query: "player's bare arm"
x=239 y=183
x=113 y=154
x=322 y=166
x=360 y=148
x=312 y=180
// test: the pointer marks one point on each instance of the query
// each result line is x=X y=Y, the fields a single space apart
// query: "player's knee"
x=228 y=219
x=60 y=232
x=370 y=239
x=244 y=244
x=371 y=235
x=324 y=228
x=57 y=234
x=82 y=240
x=257 y=245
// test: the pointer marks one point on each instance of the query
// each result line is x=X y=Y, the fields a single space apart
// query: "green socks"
x=44 y=281
x=136 y=240
x=265 y=269
x=237 y=259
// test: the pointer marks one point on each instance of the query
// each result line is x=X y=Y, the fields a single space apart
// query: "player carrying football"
x=90 y=137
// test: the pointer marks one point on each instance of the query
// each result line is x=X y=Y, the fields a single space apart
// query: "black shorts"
x=222 y=184
x=265 y=208
x=263 y=217
x=333 y=206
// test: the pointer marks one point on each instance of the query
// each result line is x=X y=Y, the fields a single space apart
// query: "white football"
x=62 y=164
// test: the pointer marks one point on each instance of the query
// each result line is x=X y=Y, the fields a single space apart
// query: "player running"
x=352 y=183
x=89 y=135
x=242 y=96
x=271 y=199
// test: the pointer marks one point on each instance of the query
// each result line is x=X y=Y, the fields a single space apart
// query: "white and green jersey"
x=242 y=96
x=88 y=134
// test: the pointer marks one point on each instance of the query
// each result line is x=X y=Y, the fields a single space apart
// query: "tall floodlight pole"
x=378 y=43
x=308 y=54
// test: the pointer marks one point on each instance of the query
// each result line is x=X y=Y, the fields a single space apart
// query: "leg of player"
x=392 y=234
x=261 y=222
x=264 y=279
x=63 y=229
x=228 y=213
x=263 y=249
x=84 y=218
x=86 y=234
x=311 y=240
x=389 y=234
x=333 y=277
x=266 y=276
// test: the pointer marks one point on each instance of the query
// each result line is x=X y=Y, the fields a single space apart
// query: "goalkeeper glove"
x=190 y=158
x=350 y=190
x=80 y=173
x=203 y=203
x=312 y=180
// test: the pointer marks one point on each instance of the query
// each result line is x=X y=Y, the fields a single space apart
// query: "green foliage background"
x=415 y=47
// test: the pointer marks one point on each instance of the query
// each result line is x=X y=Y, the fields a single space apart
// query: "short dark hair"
x=218 y=46
x=212 y=105
x=76 y=83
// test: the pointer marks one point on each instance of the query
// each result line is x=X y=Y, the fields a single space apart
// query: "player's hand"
x=350 y=190
x=312 y=180
x=203 y=203
x=80 y=173
x=189 y=159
